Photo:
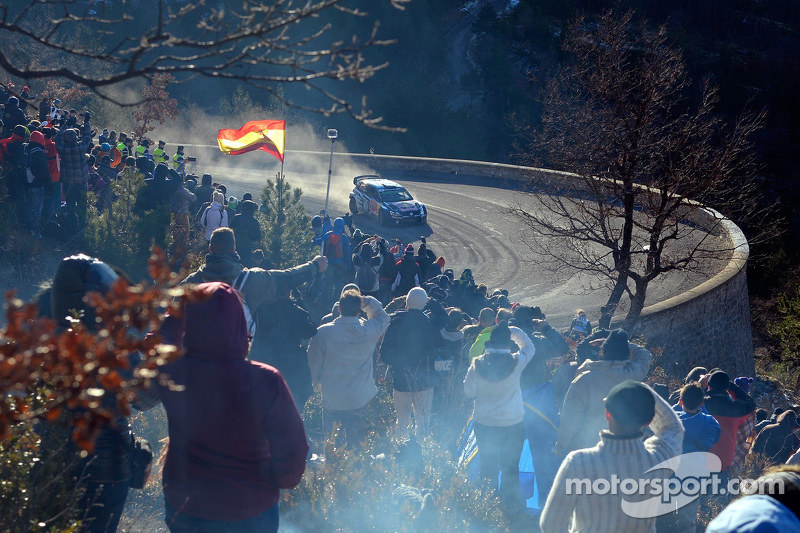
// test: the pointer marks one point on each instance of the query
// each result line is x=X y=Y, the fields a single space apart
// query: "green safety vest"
x=177 y=161
x=159 y=156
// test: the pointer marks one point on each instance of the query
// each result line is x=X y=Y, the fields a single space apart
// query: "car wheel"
x=353 y=206
x=383 y=217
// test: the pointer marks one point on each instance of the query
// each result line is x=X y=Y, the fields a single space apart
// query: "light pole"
x=332 y=134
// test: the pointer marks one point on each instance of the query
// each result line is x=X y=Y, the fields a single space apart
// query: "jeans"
x=353 y=422
x=103 y=503
x=501 y=447
x=422 y=403
x=75 y=197
x=33 y=209
x=266 y=522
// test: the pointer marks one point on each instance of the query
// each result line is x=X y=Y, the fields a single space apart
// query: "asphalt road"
x=467 y=225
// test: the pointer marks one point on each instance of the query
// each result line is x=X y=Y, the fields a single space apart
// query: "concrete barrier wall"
x=708 y=325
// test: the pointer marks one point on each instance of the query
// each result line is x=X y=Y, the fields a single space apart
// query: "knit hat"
x=218 y=197
x=742 y=382
x=105 y=147
x=233 y=202
x=440 y=261
x=37 y=137
x=410 y=249
x=719 y=380
x=615 y=347
x=500 y=337
x=416 y=298
x=631 y=402
x=338 y=226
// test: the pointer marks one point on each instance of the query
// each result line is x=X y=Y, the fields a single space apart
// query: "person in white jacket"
x=493 y=381
x=583 y=415
x=579 y=501
x=340 y=357
x=215 y=216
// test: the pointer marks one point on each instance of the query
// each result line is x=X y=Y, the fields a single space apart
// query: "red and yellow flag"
x=267 y=135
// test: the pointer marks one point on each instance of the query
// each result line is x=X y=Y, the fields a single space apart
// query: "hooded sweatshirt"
x=493 y=381
x=331 y=241
x=38 y=161
x=236 y=437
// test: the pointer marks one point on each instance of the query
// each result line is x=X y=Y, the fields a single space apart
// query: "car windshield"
x=395 y=195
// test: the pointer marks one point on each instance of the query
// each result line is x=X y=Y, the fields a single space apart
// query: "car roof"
x=379 y=182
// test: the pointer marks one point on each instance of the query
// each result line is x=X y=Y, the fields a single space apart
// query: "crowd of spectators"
x=256 y=349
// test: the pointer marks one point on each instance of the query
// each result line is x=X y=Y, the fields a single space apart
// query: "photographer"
x=179 y=161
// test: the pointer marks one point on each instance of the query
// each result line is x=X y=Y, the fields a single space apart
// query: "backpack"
x=24 y=164
x=367 y=278
x=238 y=285
x=333 y=247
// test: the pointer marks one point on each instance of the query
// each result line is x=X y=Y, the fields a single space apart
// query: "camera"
x=191 y=159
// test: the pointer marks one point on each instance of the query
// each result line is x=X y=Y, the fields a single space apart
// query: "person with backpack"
x=37 y=176
x=256 y=285
x=336 y=248
x=367 y=265
x=215 y=215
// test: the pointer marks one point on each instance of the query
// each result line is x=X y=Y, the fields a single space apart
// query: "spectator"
x=104 y=473
x=35 y=187
x=179 y=204
x=778 y=441
x=630 y=406
x=282 y=325
x=493 y=381
x=583 y=416
x=247 y=230
x=222 y=264
x=13 y=149
x=367 y=265
x=731 y=406
x=409 y=348
x=773 y=509
x=13 y=116
x=74 y=170
x=408 y=273
x=340 y=356
x=235 y=436
x=215 y=215
x=336 y=247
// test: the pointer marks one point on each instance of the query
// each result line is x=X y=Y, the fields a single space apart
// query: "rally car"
x=390 y=202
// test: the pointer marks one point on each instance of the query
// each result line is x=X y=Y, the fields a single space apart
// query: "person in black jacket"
x=13 y=116
x=247 y=231
x=104 y=473
x=409 y=347
x=40 y=175
x=281 y=327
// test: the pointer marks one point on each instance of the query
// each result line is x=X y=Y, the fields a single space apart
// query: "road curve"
x=467 y=224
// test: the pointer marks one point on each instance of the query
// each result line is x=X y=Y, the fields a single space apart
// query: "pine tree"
x=285 y=224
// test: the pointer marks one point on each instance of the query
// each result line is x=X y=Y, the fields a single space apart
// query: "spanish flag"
x=267 y=135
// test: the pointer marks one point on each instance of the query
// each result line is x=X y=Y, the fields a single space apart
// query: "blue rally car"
x=387 y=200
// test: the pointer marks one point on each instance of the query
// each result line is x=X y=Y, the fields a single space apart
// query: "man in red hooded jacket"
x=235 y=436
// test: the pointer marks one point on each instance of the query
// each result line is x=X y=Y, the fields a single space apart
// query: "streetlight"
x=332 y=134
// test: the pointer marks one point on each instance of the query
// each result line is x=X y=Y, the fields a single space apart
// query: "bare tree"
x=100 y=43
x=644 y=160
